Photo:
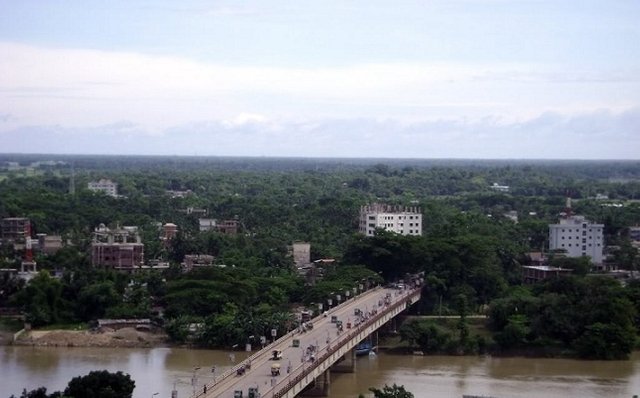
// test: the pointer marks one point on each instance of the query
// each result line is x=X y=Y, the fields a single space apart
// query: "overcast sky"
x=407 y=79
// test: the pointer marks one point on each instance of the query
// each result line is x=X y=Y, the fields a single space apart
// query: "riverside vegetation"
x=470 y=252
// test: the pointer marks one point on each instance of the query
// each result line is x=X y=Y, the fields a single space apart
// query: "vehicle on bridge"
x=237 y=394
x=275 y=369
x=276 y=354
x=253 y=392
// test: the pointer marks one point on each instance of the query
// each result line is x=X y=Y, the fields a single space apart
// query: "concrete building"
x=179 y=194
x=301 y=253
x=499 y=188
x=107 y=186
x=195 y=211
x=120 y=248
x=398 y=219
x=207 y=224
x=49 y=244
x=537 y=273
x=577 y=237
x=229 y=227
x=169 y=231
x=192 y=261
x=14 y=229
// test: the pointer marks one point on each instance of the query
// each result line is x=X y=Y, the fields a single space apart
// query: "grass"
x=64 y=326
x=10 y=325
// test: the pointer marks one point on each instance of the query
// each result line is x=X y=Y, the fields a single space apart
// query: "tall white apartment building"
x=107 y=186
x=398 y=219
x=578 y=236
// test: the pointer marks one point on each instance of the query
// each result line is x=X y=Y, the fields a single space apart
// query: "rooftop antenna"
x=567 y=207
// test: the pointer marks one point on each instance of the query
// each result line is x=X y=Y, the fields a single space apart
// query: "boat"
x=364 y=348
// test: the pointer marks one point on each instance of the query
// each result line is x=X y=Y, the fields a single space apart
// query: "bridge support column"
x=347 y=364
x=320 y=387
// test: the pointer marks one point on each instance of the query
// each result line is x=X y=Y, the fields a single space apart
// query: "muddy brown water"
x=160 y=369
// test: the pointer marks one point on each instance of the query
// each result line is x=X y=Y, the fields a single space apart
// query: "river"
x=160 y=369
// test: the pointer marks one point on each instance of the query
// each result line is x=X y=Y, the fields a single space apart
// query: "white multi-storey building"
x=578 y=237
x=398 y=219
x=107 y=186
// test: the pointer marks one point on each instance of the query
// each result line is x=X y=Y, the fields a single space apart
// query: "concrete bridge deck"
x=297 y=368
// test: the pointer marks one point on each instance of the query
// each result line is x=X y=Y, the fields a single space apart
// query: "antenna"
x=567 y=208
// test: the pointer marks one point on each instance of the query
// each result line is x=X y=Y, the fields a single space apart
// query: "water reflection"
x=159 y=369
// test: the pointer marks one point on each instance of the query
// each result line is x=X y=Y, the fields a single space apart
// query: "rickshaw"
x=275 y=369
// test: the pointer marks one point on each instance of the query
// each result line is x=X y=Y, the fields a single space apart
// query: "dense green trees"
x=96 y=384
x=469 y=248
x=592 y=316
x=394 y=391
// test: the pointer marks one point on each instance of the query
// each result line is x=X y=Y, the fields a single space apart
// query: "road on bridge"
x=295 y=360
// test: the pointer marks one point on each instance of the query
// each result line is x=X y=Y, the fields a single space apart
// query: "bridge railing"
x=233 y=370
x=342 y=341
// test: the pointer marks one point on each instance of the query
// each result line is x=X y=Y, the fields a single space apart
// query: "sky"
x=498 y=79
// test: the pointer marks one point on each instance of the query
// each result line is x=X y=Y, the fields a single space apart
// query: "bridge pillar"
x=347 y=363
x=320 y=386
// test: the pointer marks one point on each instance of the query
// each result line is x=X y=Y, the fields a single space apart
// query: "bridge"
x=308 y=358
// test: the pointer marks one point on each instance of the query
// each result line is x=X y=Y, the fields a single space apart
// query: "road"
x=295 y=359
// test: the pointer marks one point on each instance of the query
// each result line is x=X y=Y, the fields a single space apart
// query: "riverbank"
x=121 y=338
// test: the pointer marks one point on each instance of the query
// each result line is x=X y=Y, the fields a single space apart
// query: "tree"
x=514 y=333
x=42 y=299
x=605 y=341
x=101 y=384
x=38 y=393
x=394 y=391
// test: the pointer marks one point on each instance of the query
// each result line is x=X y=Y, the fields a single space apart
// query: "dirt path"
x=126 y=337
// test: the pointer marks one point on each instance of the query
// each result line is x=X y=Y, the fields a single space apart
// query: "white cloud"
x=393 y=109
x=78 y=87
